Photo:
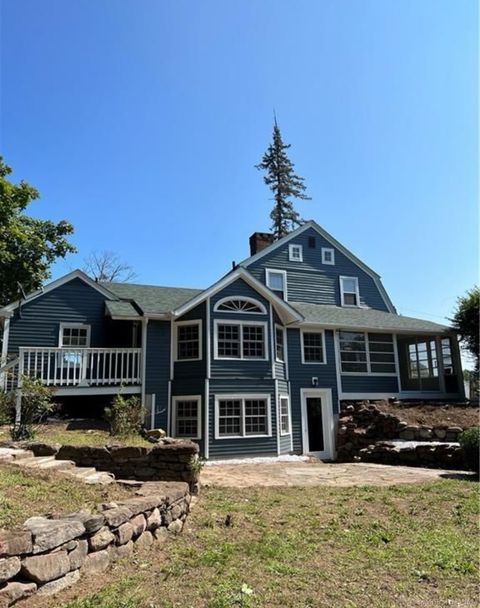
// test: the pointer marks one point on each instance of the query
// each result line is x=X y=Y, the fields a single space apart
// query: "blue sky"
x=141 y=123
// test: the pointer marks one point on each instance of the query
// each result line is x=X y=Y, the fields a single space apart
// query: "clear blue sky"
x=141 y=123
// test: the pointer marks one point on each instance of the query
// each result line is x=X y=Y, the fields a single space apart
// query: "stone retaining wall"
x=45 y=556
x=176 y=460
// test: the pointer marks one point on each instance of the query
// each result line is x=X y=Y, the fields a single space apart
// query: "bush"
x=470 y=442
x=7 y=408
x=36 y=404
x=125 y=416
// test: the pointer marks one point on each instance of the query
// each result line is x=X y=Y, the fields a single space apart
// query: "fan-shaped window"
x=245 y=305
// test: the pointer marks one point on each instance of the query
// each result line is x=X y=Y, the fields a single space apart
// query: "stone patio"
x=317 y=474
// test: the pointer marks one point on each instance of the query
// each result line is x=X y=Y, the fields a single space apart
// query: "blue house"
x=256 y=364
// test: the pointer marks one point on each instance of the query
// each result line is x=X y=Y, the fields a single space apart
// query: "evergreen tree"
x=284 y=183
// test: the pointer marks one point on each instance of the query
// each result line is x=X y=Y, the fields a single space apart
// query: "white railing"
x=81 y=366
x=9 y=375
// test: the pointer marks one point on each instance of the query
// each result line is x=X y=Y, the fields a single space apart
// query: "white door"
x=317 y=422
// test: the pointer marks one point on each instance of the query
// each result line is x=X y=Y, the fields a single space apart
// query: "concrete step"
x=57 y=465
x=35 y=462
x=15 y=453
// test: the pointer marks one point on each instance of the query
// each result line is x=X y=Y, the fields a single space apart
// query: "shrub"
x=7 y=408
x=470 y=442
x=36 y=404
x=125 y=416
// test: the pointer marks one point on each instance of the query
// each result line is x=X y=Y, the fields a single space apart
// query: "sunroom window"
x=349 y=294
x=422 y=359
x=363 y=353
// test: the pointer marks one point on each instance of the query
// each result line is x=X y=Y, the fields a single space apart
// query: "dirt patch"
x=463 y=416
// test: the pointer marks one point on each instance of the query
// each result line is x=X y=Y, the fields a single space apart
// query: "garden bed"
x=451 y=414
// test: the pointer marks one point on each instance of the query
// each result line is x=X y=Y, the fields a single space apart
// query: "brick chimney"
x=260 y=240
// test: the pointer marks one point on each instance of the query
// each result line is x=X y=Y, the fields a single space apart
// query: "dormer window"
x=277 y=281
x=349 y=294
x=328 y=256
x=295 y=253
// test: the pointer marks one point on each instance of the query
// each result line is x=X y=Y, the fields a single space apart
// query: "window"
x=188 y=340
x=239 y=340
x=277 y=281
x=422 y=359
x=295 y=253
x=313 y=347
x=447 y=356
x=243 y=416
x=247 y=305
x=362 y=353
x=284 y=416
x=186 y=417
x=312 y=242
x=76 y=335
x=279 y=344
x=349 y=294
x=328 y=256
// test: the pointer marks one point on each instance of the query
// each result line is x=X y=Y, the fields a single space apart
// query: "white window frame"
x=268 y=272
x=242 y=397
x=291 y=256
x=282 y=329
x=326 y=250
x=313 y=330
x=178 y=324
x=74 y=326
x=218 y=322
x=280 y=415
x=342 y=292
x=367 y=355
x=263 y=310
x=196 y=398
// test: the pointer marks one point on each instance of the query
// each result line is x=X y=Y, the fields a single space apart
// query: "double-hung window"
x=284 y=415
x=279 y=344
x=240 y=340
x=186 y=417
x=362 y=353
x=72 y=338
x=188 y=340
x=277 y=281
x=313 y=347
x=349 y=293
x=242 y=416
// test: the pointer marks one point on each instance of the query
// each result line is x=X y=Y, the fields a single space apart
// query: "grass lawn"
x=23 y=494
x=409 y=545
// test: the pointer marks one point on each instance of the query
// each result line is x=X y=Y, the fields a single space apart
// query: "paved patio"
x=317 y=474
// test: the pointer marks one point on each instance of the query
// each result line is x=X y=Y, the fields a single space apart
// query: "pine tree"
x=284 y=183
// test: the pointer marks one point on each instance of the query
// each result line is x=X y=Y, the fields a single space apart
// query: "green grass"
x=409 y=545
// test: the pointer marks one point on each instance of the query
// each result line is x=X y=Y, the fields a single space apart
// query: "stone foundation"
x=45 y=555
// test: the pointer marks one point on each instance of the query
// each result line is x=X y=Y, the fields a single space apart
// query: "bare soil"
x=440 y=414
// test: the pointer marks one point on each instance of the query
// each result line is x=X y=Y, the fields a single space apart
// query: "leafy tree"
x=107 y=266
x=284 y=183
x=28 y=245
x=466 y=321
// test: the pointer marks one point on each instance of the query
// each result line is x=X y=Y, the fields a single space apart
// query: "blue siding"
x=301 y=377
x=369 y=384
x=38 y=322
x=158 y=368
x=194 y=369
x=314 y=282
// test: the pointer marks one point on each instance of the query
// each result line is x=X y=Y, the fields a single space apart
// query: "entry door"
x=318 y=423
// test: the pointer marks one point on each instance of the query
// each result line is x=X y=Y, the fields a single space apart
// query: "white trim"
x=218 y=322
x=242 y=397
x=263 y=310
x=98 y=390
x=75 y=274
x=5 y=337
x=291 y=256
x=308 y=330
x=65 y=325
x=287 y=369
x=326 y=250
x=285 y=311
x=177 y=324
x=169 y=408
x=208 y=338
x=272 y=342
x=277 y=416
x=328 y=422
x=206 y=441
x=152 y=410
x=198 y=399
x=336 y=342
x=336 y=244
x=268 y=271
x=284 y=334
x=289 y=414
x=144 y=357
x=343 y=292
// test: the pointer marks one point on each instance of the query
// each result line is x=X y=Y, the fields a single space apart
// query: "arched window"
x=240 y=304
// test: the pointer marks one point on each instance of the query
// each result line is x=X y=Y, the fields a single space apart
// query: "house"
x=256 y=364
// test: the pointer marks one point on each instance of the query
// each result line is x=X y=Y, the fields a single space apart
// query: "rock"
x=96 y=563
x=78 y=555
x=144 y=540
x=44 y=568
x=407 y=434
x=140 y=504
x=15 y=541
x=43 y=449
x=130 y=483
x=59 y=584
x=440 y=433
x=154 y=520
x=50 y=533
x=91 y=521
x=139 y=524
x=167 y=518
x=117 y=516
x=121 y=551
x=425 y=432
x=14 y=591
x=176 y=511
x=101 y=539
x=70 y=546
x=124 y=533
x=156 y=433
x=160 y=534
x=176 y=526
x=9 y=567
